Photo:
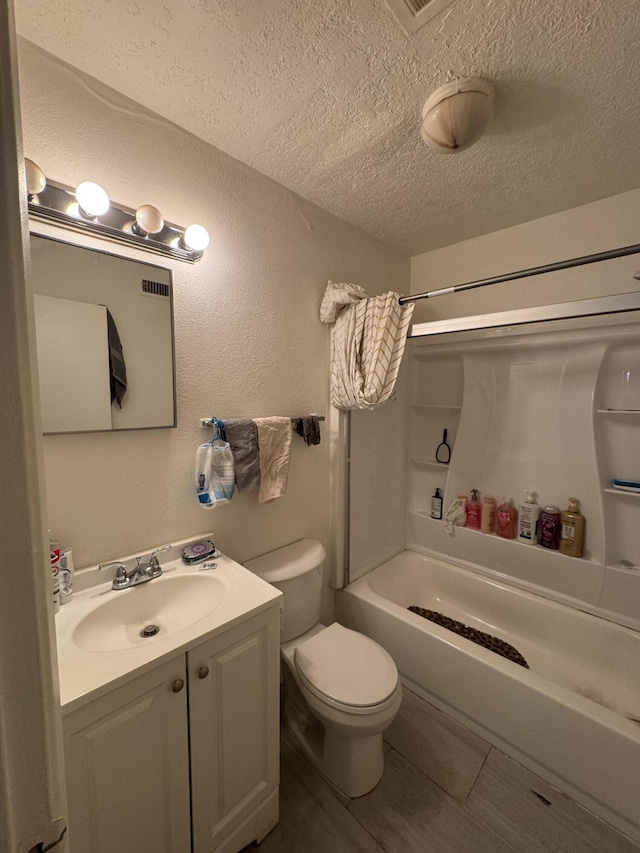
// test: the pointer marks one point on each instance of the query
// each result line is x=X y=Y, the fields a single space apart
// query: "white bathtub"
x=568 y=717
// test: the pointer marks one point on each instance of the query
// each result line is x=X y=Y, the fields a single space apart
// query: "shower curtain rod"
x=511 y=276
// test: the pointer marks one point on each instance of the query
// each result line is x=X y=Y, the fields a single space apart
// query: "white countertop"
x=85 y=674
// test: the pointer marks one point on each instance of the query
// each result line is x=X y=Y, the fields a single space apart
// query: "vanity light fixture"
x=92 y=199
x=196 y=238
x=88 y=209
x=36 y=180
x=149 y=220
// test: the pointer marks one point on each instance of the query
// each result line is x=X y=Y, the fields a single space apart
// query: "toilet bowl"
x=341 y=688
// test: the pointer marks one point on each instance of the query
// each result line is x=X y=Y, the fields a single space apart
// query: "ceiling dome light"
x=36 y=180
x=93 y=200
x=149 y=220
x=457 y=114
x=196 y=238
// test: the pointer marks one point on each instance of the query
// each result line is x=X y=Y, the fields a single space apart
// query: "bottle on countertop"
x=529 y=516
x=474 y=511
x=572 y=529
x=507 y=519
x=436 y=505
x=54 y=552
x=550 y=527
x=488 y=519
x=66 y=576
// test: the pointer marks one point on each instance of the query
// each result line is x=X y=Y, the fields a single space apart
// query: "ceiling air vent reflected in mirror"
x=155 y=288
x=413 y=14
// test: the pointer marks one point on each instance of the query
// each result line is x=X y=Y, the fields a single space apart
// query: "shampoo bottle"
x=474 y=511
x=436 y=505
x=507 y=520
x=488 y=520
x=529 y=515
x=550 y=527
x=572 y=529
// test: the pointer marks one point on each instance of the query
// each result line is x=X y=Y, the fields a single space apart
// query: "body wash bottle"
x=488 y=520
x=529 y=515
x=436 y=505
x=507 y=519
x=572 y=529
x=474 y=511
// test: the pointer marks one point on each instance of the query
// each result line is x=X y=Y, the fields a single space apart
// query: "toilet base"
x=353 y=764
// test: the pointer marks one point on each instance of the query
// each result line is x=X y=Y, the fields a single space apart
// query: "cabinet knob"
x=203 y=672
x=177 y=685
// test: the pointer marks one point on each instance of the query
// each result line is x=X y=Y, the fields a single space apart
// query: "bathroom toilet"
x=341 y=688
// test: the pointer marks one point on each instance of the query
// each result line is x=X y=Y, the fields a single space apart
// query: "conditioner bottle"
x=529 y=515
x=572 y=529
x=488 y=519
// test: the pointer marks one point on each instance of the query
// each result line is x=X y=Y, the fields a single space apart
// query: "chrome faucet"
x=146 y=569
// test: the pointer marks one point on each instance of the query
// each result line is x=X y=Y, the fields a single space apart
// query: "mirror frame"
x=35 y=232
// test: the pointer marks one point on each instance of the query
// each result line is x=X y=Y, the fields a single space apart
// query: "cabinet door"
x=233 y=712
x=127 y=762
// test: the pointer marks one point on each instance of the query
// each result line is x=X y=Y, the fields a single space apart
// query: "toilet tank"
x=296 y=570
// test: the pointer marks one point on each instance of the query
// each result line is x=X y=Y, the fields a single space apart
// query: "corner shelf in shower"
x=618 y=411
x=429 y=463
x=623 y=493
x=433 y=406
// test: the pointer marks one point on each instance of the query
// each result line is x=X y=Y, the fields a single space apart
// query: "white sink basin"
x=170 y=603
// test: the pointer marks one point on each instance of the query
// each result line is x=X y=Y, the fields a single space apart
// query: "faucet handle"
x=121 y=578
x=117 y=564
x=157 y=551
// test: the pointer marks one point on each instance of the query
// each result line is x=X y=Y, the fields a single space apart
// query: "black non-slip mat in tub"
x=487 y=641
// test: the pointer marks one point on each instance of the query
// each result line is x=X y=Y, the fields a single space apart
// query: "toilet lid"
x=347 y=667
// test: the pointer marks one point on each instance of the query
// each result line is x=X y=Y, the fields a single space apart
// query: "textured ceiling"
x=325 y=97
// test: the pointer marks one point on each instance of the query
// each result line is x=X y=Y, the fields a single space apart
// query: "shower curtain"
x=367 y=343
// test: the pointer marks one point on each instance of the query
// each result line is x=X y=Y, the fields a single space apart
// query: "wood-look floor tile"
x=507 y=797
x=444 y=750
x=312 y=819
x=408 y=813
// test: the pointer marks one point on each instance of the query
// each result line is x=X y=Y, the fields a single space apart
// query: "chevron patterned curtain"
x=367 y=343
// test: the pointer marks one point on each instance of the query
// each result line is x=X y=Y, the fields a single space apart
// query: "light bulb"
x=36 y=180
x=148 y=220
x=196 y=238
x=93 y=200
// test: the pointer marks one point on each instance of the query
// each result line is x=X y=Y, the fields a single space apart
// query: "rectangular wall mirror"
x=104 y=334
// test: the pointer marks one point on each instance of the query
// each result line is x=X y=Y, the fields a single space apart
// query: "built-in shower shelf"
x=619 y=412
x=433 y=407
x=623 y=493
x=429 y=463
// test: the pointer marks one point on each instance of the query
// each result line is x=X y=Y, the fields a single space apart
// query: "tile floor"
x=406 y=813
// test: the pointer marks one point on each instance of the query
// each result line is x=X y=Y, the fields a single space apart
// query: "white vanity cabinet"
x=127 y=766
x=184 y=754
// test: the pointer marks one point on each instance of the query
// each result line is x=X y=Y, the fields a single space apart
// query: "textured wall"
x=325 y=97
x=248 y=338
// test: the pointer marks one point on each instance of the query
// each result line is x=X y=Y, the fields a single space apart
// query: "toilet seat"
x=347 y=670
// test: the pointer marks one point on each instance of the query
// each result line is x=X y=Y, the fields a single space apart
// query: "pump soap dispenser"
x=507 y=519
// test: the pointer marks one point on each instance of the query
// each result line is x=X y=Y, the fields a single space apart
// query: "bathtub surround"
x=569 y=719
x=248 y=339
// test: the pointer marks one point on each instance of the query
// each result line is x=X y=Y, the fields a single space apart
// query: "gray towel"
x=117 y=366
x=308 y=428
x=242 y=435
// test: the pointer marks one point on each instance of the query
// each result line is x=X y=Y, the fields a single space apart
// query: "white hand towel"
x=274 y=444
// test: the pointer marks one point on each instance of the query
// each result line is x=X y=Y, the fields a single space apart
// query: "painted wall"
x=583 y=230
x=248 y=339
